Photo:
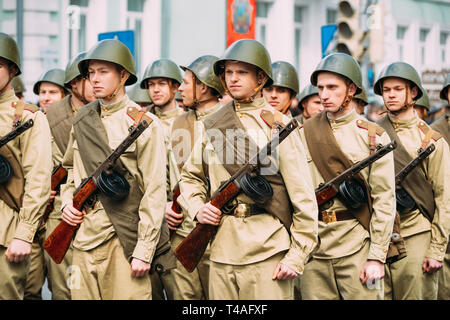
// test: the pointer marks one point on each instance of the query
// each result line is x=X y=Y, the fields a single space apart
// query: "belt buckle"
x=329 y=216
x=242 y=210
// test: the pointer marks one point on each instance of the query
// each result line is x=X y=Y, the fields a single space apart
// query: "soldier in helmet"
x=355 y=228
x=19 y=87
x=284 y=88
x=423 y=206
x=60 y=117
x=309 y=102
x=113 y=256
x=442 y=125
x=180 y=102
x=24 y=192
x=360 y=101
x=422 y=106
x=200 y=90
x=50 y=88
x=139 y=95
x=162 y=79
x=258 y=249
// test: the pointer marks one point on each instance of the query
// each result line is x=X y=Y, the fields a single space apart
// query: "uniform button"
x=384 y=250
x=300 y=269
x=146 y=256
x=441 y=249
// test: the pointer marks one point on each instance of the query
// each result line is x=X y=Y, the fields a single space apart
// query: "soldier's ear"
x=414 y=92
x=352 y=89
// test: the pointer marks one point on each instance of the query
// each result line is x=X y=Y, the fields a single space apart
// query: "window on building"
x=299 y=12
x=443 y=45
x=423 y=36
x=135 y=15
x=77 y=37
x=401 y=32
x=81 y=3
x=331 y=16
x=262 y=12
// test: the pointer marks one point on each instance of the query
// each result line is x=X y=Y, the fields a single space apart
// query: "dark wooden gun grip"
x=191 y=249
x=59 y=241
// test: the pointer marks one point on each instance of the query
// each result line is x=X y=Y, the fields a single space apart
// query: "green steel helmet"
x=203 y=69
x=55 y=76
x=424 y=101
x=110 y=50
x=444 y=91
x=362 y=96
x=249 y=51
x=285 y=75
x=307 y=92
x=72 y=70
x=18 y=85
x=400 y=70
x=162 y=68
x=342 y=64
x=178 y=96
x=9 y=50
x=139 y=95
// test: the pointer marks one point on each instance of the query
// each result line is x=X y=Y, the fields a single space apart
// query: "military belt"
x=334 y=216
x=244 y=210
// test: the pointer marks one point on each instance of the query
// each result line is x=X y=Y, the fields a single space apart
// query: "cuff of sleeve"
x=378 y=252
x=25 y=231
x=194 y=208
x=436 y=251
x=295 y=260
x=144 y=251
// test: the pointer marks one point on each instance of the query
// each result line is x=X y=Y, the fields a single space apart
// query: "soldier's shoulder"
x=133 y=110
x=366 y=125
x=271 y=117
x=25 y=106
x=426 y=129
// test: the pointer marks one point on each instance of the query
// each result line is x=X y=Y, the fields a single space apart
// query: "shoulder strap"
x=429 y=134
x=19 y=107
x=138 y=114
x=272 y=118
x=373 y=130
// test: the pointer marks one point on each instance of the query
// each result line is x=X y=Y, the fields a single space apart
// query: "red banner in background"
x=241 y=16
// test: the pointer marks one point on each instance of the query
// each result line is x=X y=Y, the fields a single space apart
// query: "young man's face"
x=83 y=86
x=187 y=89
x=278 y=97
x=160 y=90
x=49 y=93
x=241 y=79
x=394 y=93
x=332 y=91
x=311 y=106
x=104 y=77
x=5 y=73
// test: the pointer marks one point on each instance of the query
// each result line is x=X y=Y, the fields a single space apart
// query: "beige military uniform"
x=101 y=269
x=444 y=274
x=246 y=251
x=404 y=278
x=33 y=150
x=346 y=245
x=165 y=281
x=189 y=285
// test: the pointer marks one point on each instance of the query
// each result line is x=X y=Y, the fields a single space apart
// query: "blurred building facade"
x=51 y=32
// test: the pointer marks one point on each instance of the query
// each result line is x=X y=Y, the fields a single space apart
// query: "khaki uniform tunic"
x=142 y=161
x=422 y=237
x=33 y=150
x=243 y=241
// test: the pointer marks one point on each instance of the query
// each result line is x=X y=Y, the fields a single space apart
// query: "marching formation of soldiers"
x=322 y=204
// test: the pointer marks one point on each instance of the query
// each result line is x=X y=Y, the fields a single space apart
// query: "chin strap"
x=3 y=90
x=245 y=100
x=194 y=90
x=286 y=108
x=121 y=85
x=81 y=96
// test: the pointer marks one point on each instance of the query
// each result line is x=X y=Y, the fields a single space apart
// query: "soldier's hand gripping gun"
x=6 y=171
x=345 y=186
x=59 y=240
x=192 y=248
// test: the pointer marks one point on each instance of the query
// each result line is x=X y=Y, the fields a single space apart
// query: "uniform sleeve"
x=193 y=183
x=298 y=181
x=152 y=166
x=439 y=175
x=382 y=184
x=36 y=151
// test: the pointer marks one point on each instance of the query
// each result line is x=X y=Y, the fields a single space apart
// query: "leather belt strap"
x=334 y=216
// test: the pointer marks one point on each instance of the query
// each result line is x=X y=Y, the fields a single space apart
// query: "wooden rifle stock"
x=59 y=175
x=192 y=248
x=58 y=242
x=175 y=206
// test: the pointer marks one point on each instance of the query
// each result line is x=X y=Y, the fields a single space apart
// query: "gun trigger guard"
x=379 y=146
x=229 y=207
